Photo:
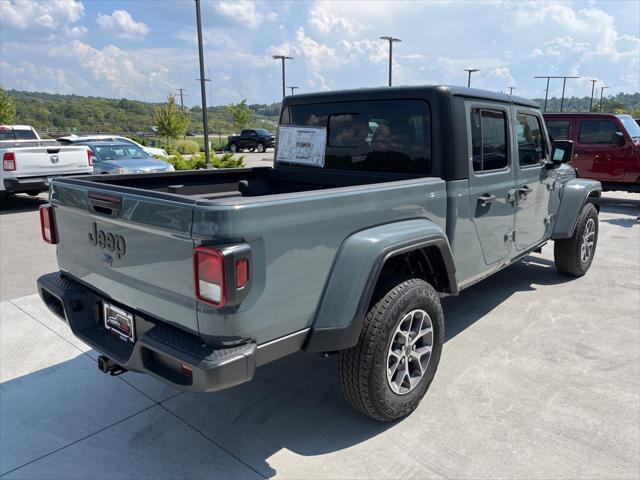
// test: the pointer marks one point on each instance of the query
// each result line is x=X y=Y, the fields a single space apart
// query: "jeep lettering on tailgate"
x=112 y=242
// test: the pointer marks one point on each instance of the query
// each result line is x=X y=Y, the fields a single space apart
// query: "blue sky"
x=145 y=49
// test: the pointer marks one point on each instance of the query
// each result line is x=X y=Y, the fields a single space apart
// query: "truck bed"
x=234 y=184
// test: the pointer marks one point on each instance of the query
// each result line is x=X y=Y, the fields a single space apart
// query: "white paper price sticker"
x=303 y=145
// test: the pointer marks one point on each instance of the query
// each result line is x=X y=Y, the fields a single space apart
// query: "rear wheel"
x=390 y=369
x=573 y=256
x=233 y=147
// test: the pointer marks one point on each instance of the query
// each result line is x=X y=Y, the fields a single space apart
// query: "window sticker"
x=301 y=145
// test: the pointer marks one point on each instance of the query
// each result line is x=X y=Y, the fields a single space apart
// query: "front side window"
x=489 y=140
x=558 y=129
x=597 y=132
x=376 y=136
x=531 y=143
x=631 y=126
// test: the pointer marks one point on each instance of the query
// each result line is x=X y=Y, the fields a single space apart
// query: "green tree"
x=7 y=108
x=241 y=114
x=171 y=122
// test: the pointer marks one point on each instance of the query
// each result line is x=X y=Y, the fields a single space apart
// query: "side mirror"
x=619 y=138
x=562 y=151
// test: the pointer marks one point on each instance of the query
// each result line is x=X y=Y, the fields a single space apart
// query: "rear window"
x=17 y=135
x=558 y=129
x=377 y=136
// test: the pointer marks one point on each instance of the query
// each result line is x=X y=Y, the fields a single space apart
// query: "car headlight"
x=170 y=168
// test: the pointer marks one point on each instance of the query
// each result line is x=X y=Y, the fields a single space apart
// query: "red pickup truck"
x=606 y=146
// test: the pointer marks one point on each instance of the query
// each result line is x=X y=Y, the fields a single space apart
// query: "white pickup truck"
x=29 y=163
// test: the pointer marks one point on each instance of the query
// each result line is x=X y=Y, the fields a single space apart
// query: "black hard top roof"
x=406 y=92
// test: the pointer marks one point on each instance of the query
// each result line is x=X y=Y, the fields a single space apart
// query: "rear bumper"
x=30 y=184
x=26 y=185
x=160 y=350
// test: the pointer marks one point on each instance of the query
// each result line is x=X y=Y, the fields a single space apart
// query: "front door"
x=533 y=185
x=491 y=179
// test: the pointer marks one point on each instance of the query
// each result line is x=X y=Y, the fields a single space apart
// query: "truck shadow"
x=21 y=203
x=293 y=408
x=296 y=404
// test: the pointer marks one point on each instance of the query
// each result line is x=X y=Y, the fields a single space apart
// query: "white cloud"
x=326 y=22
x=51 y=14
x=318 y=55
x=122 y=25
x=245 y=12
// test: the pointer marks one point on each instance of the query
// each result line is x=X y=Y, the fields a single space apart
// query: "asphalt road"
x=539 y=378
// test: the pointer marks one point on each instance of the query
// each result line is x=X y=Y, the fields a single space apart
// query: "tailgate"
x=133 y=248
x=51 y=161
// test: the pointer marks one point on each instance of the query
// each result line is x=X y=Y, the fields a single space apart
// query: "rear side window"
x=597 y=132
x=377 y=136
x=17 y=135
x=558 y=129
x=531 y=143
x=489 y=140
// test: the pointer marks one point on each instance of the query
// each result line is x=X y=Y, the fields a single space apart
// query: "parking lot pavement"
x=255 y=159
x=539 y=378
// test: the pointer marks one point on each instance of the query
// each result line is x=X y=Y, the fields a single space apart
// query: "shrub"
x=197 y=161
x=227 y=160
x=187 y=147
x=141 y=140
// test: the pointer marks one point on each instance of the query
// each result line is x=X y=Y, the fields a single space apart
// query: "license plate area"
x=119 y=322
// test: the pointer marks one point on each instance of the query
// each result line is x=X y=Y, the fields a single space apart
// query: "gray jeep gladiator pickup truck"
x=385 y=201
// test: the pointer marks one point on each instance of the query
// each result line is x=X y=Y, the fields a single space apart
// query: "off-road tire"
x=567 y=251
x=260 y=148
x=362 y=368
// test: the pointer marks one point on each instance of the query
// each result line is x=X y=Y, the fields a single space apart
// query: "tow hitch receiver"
x=106 y=365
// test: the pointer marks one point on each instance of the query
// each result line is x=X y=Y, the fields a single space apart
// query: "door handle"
x=524 y=191
x=485 y=199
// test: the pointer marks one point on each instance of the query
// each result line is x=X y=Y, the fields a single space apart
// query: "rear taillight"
x=89 y=157
x=48 y=224
x=9 y=162
x=208 y=264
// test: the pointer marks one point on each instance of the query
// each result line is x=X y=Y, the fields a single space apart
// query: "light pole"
x=511 y=89
x=283 y=58
x=564 y=82
x=470 y=70
x=292 y=89
x=601 y=92
x=593 y=86
x=391 y=41
x=203 y=90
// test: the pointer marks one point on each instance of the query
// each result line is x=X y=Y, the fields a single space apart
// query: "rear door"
x=597 y=153
x=533 y=185
x=491 y=178
x=134 y=249
x=51 y=161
